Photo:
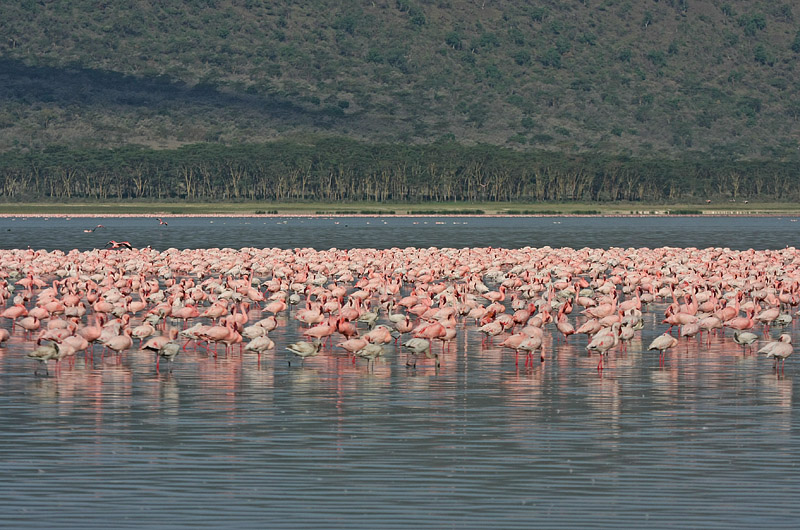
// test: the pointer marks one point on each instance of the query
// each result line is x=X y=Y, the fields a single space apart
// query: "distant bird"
x=90 y=230
x=304 y=349
x=118 y=244
x=161 y=221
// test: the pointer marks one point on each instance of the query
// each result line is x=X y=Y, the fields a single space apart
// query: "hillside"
x=648 y=78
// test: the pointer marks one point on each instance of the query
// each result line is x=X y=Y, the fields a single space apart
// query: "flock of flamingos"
x=365 y=303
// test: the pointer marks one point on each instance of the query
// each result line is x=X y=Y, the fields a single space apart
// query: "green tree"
x=522 y=57
x=761 y=55
x=454 y=40
x=752 y=23
x=551 y=58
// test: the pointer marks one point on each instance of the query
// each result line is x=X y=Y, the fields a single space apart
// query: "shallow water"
x=708 y=440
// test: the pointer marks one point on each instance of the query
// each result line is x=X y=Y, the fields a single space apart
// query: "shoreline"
x=377 y=215
x=371 y=210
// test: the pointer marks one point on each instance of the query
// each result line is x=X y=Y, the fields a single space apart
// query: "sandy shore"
x=167 y=210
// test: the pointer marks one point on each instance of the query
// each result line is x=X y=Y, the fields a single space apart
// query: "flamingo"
x=740 y=323
x=496 y=296
x=43 y=354
x=403 y=326
x=744 y=338
x=767 y=317
x=269 y=323
x=119 y=244
x=29 y=324
x=353 y=345
x=219 y=333
x=346 y=328
x=563 y=326
x=304 y=349
x=370 y=352
x=602 y=342
x=491 y=329
x=142 y=332
x=662 y=343
x=513 y=343
x=156 y=344
x=368 y=317
x=321 y=332
x=14 y=312
x=530 y=345
x=779 y=350
x=417 y=346
x=433 y=330
x=276 y=306
x=169 y=351
x=120 y=343
x=260 y=345
x=379 y=335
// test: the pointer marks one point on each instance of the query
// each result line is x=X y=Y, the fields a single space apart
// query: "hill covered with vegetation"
x=653 y=79
x=621 y=76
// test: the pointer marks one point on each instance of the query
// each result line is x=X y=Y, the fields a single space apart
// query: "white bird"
x=43 y=354
x=744 y=338
x=370 y=352
x=783 y=320
x=768 y=347
x=268 y=323
x=779 y=350
x=142 y=332
x=417 y=346
x=260 y=344
x=662 y=343
x=304 y=349
x=168 y=351
x=369 y=317
x=252 y=332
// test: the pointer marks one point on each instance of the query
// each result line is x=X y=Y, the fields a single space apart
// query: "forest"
x=335 y=169
x=400 y=99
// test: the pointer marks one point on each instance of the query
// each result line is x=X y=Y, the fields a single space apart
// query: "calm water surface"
x=377 y=232
x=709 y=440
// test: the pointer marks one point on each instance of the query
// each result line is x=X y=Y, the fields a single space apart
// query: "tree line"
x=344 y=170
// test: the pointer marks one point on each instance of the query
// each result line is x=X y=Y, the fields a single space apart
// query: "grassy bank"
x=478 y=208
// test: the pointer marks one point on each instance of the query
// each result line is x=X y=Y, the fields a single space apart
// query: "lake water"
x=708 y=440
x=385 y=232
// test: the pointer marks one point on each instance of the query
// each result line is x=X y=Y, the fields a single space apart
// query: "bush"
x=551 y=58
